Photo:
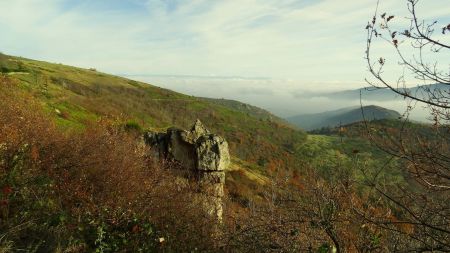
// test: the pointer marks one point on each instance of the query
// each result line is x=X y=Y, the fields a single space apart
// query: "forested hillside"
x=76 y=96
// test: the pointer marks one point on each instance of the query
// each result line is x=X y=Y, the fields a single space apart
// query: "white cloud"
x=313 y=43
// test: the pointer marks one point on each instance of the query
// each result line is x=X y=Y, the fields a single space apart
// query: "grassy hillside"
x=376 y=140
x=74 y=179
x=342 y=116
x=246 y=108
x=259 y=141
x=75 y=96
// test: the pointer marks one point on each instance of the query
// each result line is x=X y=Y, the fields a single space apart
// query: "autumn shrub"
x=133 y=126
x=93 y=190
x=308 y=214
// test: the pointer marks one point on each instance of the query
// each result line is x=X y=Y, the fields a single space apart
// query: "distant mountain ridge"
x=378 y=94
x=385 y=94
x=342 y=116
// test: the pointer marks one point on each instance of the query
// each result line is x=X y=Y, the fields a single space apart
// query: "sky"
x=258 y=51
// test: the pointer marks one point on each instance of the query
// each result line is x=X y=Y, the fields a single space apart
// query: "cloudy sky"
x=258 y=51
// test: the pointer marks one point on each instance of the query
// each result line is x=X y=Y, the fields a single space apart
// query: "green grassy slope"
x=248 y=109
x=369 y=145
x=75 y=96
x=259 y=141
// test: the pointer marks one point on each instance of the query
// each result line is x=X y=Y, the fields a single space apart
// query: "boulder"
x=198 y=130
x=180 y=149
x=200 y=152
x=212 y=183
x=196 y=149
x=212 y=153
x=158 y=143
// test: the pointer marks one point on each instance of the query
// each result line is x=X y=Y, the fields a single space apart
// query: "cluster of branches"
x=425 y=155
x=420 y=40
x=413 y=216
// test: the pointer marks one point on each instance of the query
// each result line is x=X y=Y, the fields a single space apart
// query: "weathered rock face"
x=203 y=153
x=212 y=153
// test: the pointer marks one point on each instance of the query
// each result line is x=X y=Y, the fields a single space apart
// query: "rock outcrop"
x=202 y=153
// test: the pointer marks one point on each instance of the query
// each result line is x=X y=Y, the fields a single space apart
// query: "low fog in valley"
x=284 y=98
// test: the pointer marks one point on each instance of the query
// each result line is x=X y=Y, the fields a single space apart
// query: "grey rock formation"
x=212 y=153
x=204 y=154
